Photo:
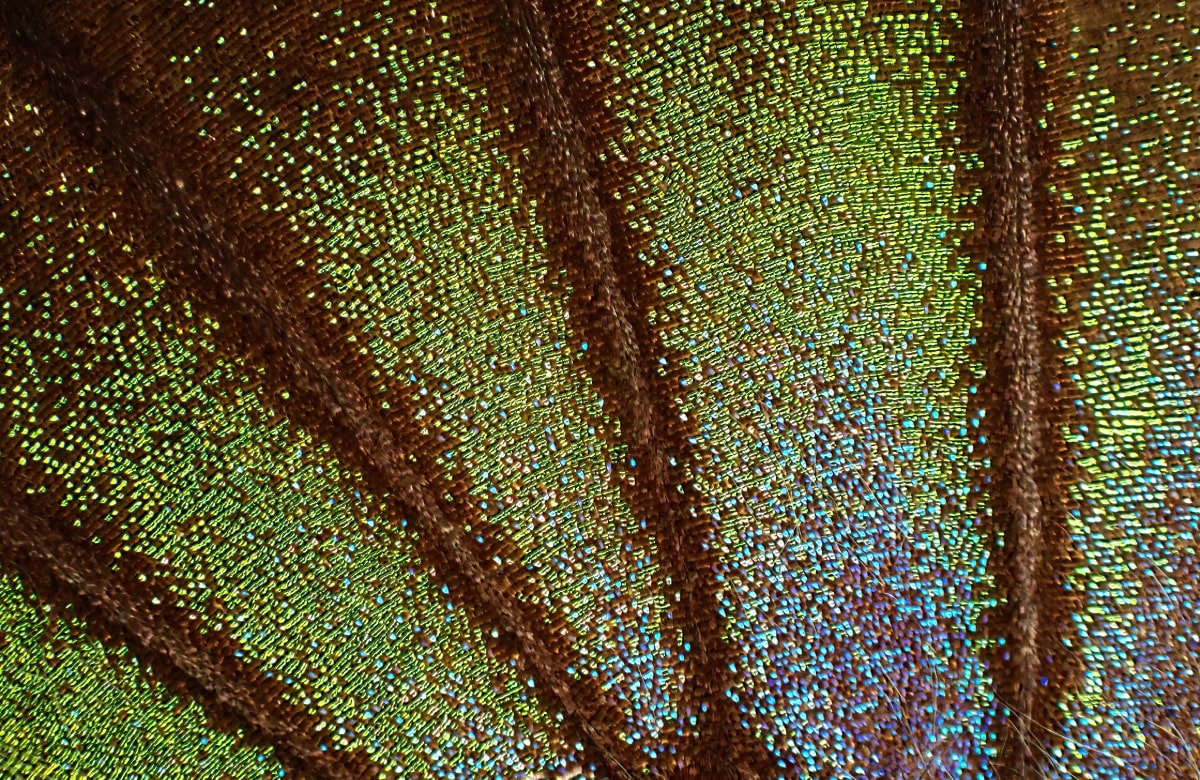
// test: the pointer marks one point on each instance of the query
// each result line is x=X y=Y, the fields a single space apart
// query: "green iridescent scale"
x=643 y=389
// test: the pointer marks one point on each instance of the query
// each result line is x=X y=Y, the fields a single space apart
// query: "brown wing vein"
x=116 y=606
x=609 y=305
x=228 y=271
x=1006 y=94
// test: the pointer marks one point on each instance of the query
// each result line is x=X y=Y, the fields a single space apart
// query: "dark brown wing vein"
x=1023 y=388
x=194 y=224
x=117 y=607
x=586 y=235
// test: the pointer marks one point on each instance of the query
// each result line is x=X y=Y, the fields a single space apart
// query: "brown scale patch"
x=1025 y=390
x=1172 y=746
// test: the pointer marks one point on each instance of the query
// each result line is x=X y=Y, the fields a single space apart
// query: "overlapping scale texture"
x=1131 y=166
x=167 y=452
x=257 y=529
x=470 y=325
x=797 y=190
x=70 y=707
x=533 y=387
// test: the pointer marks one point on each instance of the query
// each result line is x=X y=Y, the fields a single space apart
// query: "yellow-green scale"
x=265 y=535
x=432 y=247
x=1131 y=352
x=804 y=241
x=69 y=707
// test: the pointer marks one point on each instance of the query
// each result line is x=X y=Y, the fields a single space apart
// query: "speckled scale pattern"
x=1130 y=152
x=819 y=344
x=782 y=189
